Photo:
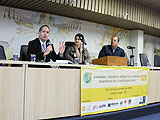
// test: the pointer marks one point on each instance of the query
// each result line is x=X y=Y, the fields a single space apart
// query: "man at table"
x=42 y=47
x=113 y=49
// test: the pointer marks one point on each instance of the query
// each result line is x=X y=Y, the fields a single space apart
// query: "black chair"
x=143 y=59
x=2 y=53
x=156 y=61
x=23 y=53
x=67 y=44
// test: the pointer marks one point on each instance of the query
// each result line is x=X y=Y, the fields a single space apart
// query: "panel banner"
x=106 y=88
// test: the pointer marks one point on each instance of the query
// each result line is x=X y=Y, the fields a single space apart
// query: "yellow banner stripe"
x=115 y=68
x=112 y=93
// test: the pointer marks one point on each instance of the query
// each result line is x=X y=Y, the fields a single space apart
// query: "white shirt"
x=114 y=49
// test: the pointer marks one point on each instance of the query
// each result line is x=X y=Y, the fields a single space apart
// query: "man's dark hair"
x=43 y=26
x=115 y=36
x=79 y=35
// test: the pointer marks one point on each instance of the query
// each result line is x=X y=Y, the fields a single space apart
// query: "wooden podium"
x=111 y=60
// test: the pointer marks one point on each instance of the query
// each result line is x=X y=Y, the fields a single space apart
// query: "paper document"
x=63 y=62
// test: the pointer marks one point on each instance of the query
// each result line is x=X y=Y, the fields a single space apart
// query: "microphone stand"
x=131 y=59
x=83 y=52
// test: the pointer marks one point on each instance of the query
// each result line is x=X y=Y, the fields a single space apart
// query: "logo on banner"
x=135 y=101
x=125 y=101
x=102 y=106
x=87 y=77
x=83 y=108
x=142 y=100
x=95 y=107
x=129 y=101
x=89 y=107
x=112 y=104
x=121 y=103
x=143 y=77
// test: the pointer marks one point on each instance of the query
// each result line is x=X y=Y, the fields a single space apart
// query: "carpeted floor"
x=155 y=116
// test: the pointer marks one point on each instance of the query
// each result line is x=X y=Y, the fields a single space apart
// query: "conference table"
x=32 y=90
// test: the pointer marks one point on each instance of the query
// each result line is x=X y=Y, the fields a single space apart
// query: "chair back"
x=67 y=44
x=156 y=61
x=23 y=53
x=143 y=59
x=127 y=58
x=2 y=53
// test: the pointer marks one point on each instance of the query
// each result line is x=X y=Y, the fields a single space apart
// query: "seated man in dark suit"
x=113 y=49
x=42 y=47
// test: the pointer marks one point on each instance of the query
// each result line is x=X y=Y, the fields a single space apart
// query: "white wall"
x=136 y=40
x=18 y=27
x=151 y=43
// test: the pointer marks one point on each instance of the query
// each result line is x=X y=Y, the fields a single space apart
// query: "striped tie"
x=43 y=48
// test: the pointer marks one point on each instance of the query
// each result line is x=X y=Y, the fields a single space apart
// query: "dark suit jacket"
x=107 y=51
x=34 y=47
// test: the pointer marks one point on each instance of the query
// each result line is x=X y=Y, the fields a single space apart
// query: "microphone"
x=49 y=43
x=83 y=40
x=130 y=47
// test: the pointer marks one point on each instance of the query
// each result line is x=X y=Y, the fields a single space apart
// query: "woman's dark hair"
x=79 y=35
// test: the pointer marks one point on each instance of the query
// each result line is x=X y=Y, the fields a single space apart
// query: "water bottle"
x=148 y=64
x=135 y=64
